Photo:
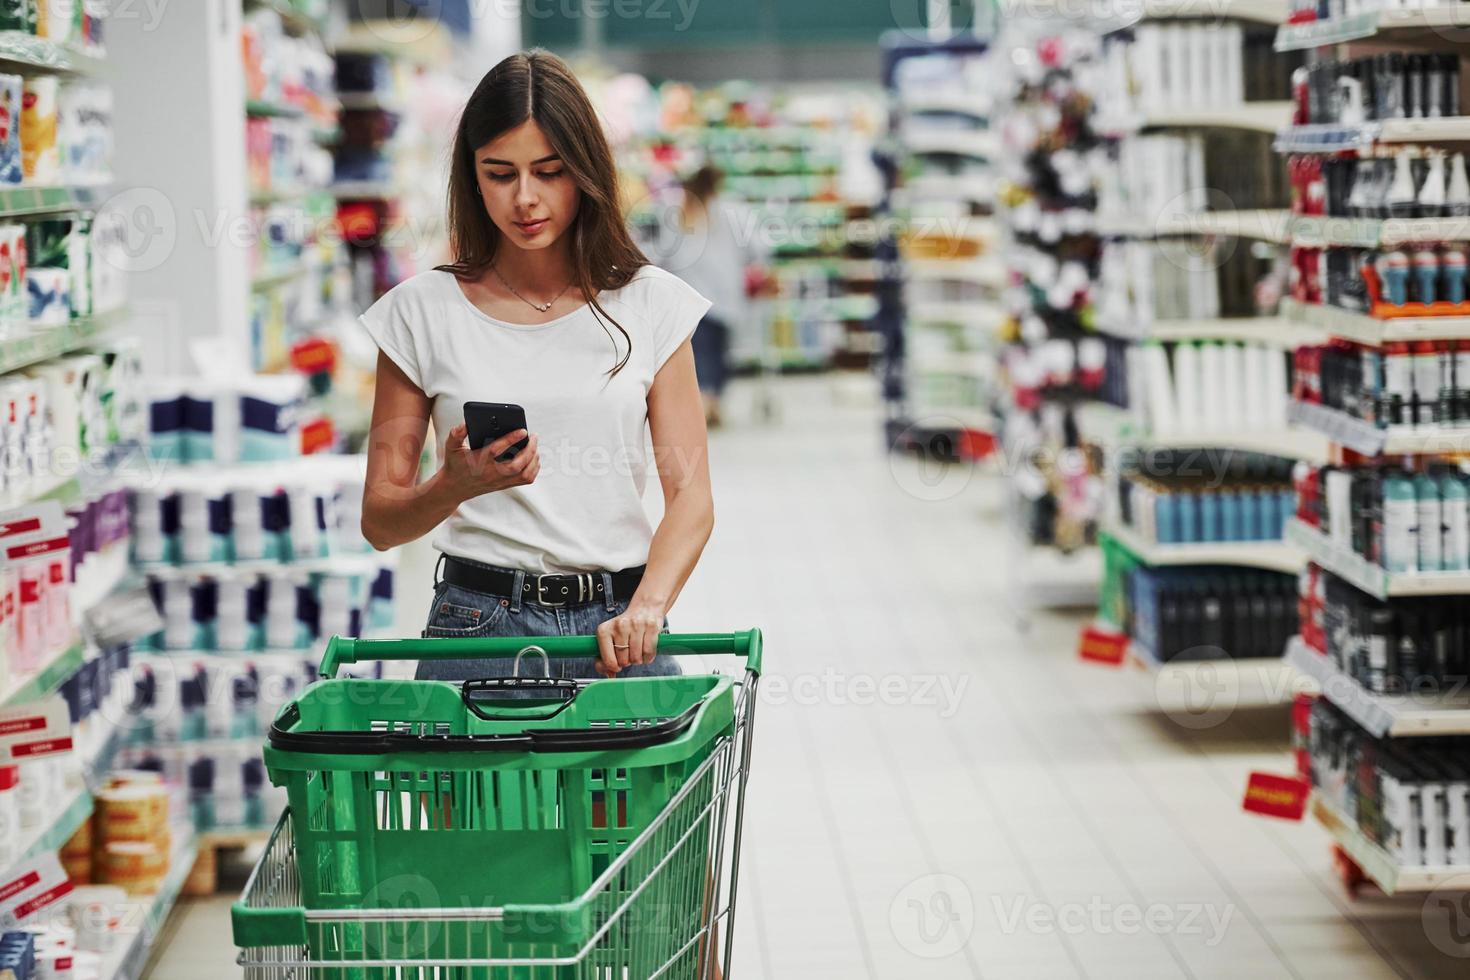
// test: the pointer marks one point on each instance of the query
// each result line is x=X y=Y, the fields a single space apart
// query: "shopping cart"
x=437 y=832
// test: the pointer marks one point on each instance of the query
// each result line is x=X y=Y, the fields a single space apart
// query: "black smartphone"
x=488 y=421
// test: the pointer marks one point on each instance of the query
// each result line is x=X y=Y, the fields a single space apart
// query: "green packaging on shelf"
x=13 y=265
x=18 y=15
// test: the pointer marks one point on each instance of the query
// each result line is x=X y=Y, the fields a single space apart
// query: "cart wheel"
x=1348 y=870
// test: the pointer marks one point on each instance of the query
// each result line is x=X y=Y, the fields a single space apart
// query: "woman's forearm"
x=393 y=515
x=688 y=520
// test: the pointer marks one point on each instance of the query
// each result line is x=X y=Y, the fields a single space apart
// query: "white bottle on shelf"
x=1212 y=385
x=1187 y=386
x=1232 y=406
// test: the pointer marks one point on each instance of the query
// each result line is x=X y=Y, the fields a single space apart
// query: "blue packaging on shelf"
x=1210 y=517
x=1188 y=518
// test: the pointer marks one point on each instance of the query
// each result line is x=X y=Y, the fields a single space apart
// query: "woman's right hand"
x=470 y=472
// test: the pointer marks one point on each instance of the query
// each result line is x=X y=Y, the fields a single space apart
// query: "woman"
x=551 y=306
x=713 y=245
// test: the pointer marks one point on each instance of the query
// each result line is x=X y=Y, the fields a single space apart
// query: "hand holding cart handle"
x=347 y=650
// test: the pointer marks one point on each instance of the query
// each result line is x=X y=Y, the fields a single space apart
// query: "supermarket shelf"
x=1341 y=428
x=964 y=187
x=1376 y=863
x=969 y=364
x=1273 y=331
x=1260 y=117
x=52 y=342
x=985 y=315
x=24 y=202
x=273 y=110
x=1261 y=225
x=56 y=668
x=1109 y=425
x=986 y=271
x=1257 y=11
x=280 y=277
x=1365 y=329
x=1272 y=555
x=1334 y=138
x=943 y=101
x=1363 y=437
x=369 y=101
x=1425 y=25
x=27 y=54
x=1371 y=578
x=76 y=811
x=130 y=952
x=1383 y=715
x=1321 y=231
x=920 y=138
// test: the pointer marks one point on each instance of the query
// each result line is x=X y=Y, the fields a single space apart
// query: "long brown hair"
x=537 y=85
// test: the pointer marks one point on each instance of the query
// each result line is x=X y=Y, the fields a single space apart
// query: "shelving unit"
x=1423 y=25
x=1369 y=440
x=1370 y=330
x=1371 y=578
x=1336 y=138
x=1110 y=426
x=1274 y=331
x=1277 y=556
x=1326 y=231
x=1383 y=715
x=1376 y=863
x=1262 y=225
x=1260 y=117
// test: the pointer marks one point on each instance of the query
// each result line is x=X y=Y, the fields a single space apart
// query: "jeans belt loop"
x=517 y=587
x=438 y=564
x=607 y=591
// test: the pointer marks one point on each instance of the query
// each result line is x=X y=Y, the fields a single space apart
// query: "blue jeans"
x=458 y=611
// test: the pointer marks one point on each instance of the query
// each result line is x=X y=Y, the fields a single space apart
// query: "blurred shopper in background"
x=714 y=242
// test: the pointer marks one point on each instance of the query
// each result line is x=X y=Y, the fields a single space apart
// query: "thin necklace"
x=540 y=307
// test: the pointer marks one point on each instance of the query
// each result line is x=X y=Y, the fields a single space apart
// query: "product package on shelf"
x=1180 y=614
x=1412 y=801
x=253 y=420
x=1175 y=500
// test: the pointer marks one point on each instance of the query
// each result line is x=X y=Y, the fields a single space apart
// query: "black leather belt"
x=544 y=590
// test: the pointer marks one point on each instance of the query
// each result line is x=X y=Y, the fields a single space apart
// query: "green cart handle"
x=349 y=650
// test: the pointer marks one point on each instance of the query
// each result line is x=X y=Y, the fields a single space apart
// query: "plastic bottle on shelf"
x=1455 y=506
x=1402 y=199
x=1398 y=384
x=1457 y=188
x=1187 y=386
x=1426 y=383
x=1400 y=524
x=1452 y=271
x=1431 y=523
x=1432 y=193
x=1426 y=274
x=1394 y=268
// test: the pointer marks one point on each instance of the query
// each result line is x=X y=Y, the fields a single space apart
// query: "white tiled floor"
x=1029 y=815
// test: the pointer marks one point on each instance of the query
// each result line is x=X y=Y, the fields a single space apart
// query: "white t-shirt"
x=585 y=510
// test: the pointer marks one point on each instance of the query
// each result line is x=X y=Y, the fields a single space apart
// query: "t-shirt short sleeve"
x=675 y=309
x=389 y=322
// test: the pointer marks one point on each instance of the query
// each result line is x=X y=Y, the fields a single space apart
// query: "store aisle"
x=928 y=774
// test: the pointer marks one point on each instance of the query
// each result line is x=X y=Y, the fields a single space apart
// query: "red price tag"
x=316 y=435
x=1277 y=796
x=1103 y=645
x=975 y=444
x=314 y=356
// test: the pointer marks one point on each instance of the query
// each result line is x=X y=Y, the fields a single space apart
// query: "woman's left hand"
x=630 y=638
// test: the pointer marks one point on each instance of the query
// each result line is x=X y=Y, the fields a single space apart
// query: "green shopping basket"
x=435 y=830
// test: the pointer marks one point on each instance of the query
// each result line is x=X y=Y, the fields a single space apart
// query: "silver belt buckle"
x=541 y=592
